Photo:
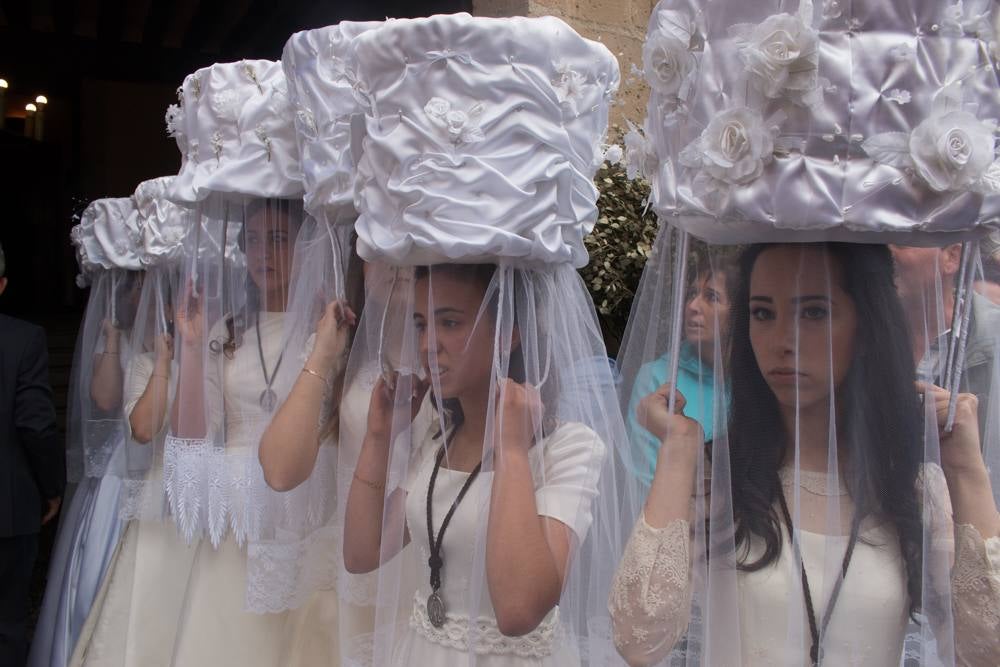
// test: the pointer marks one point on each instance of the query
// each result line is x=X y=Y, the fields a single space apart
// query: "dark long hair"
x=882 y=423
x=481 y=275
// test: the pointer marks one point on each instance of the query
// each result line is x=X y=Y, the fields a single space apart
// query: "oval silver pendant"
x=268 y=399
x=435 y=609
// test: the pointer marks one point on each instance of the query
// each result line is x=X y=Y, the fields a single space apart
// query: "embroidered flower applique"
x=196 y=84
x=252 y=75
x=307 y=123
x=264 y=139
x=462 y=127
x=899 y=96
x=226 y=104
x=174 y=119
x=640 y=154
x=568 y=85
x=217 y=145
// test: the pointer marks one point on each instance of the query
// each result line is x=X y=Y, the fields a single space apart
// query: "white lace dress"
x=167 y=601
x=563 y=467
x=650 y=600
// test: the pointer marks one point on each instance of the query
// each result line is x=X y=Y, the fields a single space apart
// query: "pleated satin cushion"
x=237 y=124
x=482 y=136
x=327 y=116
x=163 y=223
x=865 y=120
x=89 y=254
x=116 y=231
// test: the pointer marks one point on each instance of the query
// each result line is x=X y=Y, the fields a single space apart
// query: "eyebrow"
x=442 y=311
x=796 y=299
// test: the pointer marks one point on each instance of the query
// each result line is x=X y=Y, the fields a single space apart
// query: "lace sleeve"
x=650 y=600
x=975 y=581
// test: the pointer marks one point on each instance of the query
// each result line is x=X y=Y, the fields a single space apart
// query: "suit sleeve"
x=35 y=419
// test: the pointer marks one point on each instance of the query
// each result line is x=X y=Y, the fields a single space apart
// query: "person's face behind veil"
x=270 y=240
x=802 y=324
x=706 y=313
x=458 y=352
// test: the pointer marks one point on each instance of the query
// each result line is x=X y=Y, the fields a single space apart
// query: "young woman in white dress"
x=832 y=529
x=477 y=181
x=205 y=577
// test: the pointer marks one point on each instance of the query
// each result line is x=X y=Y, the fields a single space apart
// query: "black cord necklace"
x=817 y=631
x=268 y=399
x=435 y=603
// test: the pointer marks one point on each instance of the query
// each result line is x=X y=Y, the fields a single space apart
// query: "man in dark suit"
x=32 y=470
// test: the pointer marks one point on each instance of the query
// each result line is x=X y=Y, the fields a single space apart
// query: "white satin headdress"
x=482 y=139
x=162 y=222
x=235 y=131
x=107 y=237
x=89 y=255
x=327 y=116
x=825 y=121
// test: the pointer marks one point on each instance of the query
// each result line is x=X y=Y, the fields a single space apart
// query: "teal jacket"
x=695 y=381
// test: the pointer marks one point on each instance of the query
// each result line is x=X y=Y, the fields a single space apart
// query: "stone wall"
x=619 y=24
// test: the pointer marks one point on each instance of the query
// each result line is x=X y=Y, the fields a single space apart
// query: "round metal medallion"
x=268 y=399
x=435 y=609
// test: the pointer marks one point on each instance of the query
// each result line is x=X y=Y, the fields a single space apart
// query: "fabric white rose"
x=782 y=55
x=952 y=151
x=461 y=126
x=733 y=150
x=666 y=55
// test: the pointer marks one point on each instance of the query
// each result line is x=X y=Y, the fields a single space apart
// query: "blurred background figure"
x=706 y=322
x=926 y=279
x=34 y=466
x=989 y=283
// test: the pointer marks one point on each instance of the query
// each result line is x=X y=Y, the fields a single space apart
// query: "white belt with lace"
x=482 y=636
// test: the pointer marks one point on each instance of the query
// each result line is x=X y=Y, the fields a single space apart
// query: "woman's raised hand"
x=383 y=399
x=960 y=449
x=674 y=430
x=518 y=413
x=164 y=348
x=332 y=335
x=189 y=320
x=112 y=336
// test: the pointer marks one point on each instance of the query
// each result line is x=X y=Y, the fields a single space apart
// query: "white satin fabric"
x=116 y=229
x=101 y=243
x=875 y=72
x=327 y=115
x=236 y=124
x=481 y=139
x=162 y=223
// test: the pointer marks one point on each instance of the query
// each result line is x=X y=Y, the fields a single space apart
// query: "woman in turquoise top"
x=706 y=316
